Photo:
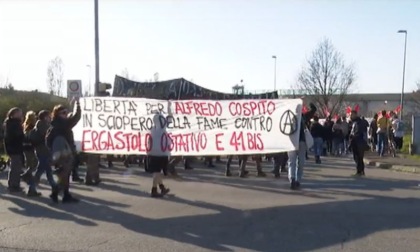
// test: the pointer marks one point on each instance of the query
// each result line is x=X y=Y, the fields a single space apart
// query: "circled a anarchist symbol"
x=288 y=123
x=74 y=86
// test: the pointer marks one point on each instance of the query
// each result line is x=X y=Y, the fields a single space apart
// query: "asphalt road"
x=209 y=212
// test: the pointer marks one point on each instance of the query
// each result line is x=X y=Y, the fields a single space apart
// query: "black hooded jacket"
x=306 y=119
x=13 y=136
x=358 y=131
x=63 y=127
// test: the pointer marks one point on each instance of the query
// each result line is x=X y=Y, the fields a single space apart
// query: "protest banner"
x=177 y=89
x=140 y=126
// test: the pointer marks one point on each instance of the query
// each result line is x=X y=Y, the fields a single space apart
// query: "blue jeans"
x=382 y=143
x=44 y=166
x=297 y=162
x=346 y=146
x=338 y=146
x=318 y=146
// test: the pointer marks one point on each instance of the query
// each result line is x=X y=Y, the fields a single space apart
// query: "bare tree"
x=326 y=78
x=55 y=76
x=126 y=74
x=10 y=86
x=415 y=98
x=4 y=81
x=6 y=84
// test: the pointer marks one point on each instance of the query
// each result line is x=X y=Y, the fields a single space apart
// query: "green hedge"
x=26 y=100
x=406 y=144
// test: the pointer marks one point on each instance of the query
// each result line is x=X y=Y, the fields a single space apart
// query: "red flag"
x=398 y=109
x=304 y=109
x=357 y=108
x=387 y=115
x=326 y=112
x=348 y=110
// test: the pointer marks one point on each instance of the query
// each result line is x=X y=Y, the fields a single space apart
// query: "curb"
x=393 y=167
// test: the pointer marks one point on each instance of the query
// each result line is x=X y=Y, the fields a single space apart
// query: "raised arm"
x=74 y=119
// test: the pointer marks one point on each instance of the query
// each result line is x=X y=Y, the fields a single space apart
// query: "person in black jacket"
x=76 y=161
x=157 y=159
x=328 y=125
x=61 y=126
x=13 y=144
x=358 y=142
x=317 y=132
x=42 y=152
x=373 y=132
x=297 y=157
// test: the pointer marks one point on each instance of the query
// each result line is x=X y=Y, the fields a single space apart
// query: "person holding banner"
x=279 y=163
x=60 y=141
x=156 y=163
x=297 y=157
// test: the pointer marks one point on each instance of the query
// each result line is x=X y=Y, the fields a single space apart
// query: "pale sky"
x=215 y=43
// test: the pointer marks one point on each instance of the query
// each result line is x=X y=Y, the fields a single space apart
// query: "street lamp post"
x=275 y=71
x=403 y=77
x=96 y=48
x=94 y=160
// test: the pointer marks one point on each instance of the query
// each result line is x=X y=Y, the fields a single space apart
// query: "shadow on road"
x=293 y=228
x=289 y=228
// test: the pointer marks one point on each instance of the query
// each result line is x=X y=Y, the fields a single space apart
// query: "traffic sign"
x=74 y=89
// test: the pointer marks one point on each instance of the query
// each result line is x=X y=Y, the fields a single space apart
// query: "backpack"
x=61 y=150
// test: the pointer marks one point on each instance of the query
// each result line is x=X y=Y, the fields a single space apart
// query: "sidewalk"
x=399 y=163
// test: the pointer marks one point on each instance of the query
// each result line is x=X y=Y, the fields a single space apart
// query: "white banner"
x=138 y=126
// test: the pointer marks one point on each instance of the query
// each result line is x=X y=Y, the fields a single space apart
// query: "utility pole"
x=403 y=77
x=275 y=72
x=93 y=160
x=96 y=47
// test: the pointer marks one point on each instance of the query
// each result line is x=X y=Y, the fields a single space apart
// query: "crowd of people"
x=386 y=130
x=31 y=144
x=43 y=142
x=336 y=137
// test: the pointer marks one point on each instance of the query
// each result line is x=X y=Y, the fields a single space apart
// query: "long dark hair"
x=43 y=114
x=57 y=110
